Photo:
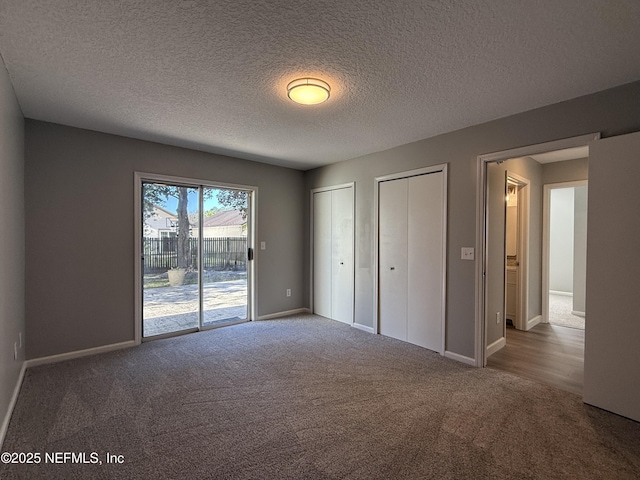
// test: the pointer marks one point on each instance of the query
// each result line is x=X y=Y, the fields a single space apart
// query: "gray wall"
x=80 y=231
x=611 y=112
x=12 y=256
x=567 y=171
x=580 y=249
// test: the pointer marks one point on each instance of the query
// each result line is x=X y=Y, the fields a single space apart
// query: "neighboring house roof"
x=224 y=219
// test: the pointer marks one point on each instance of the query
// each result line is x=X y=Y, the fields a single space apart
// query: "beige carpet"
x=307 y=398
x=560 y=307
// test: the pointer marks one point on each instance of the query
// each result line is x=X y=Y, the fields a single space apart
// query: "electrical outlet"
x=498 y=317
x=467 y=253
x=288 y=292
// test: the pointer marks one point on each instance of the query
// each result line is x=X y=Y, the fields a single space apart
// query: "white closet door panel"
x=425 y=266
x=322 y=254
x=342 y=255
x=393 y=258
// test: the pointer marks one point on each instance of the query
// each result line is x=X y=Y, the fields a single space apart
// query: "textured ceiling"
x=211 y=75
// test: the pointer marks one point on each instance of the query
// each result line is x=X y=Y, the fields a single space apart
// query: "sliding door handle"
x=250 y=254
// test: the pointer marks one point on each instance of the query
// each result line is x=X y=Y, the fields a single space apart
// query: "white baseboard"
x=534 y=321
x=460 y=358
x=284 y=314
x=495 y=346
x=363 y=328
x=12 y=404
x=79 y=353
x=563 y=294
x=578 y=313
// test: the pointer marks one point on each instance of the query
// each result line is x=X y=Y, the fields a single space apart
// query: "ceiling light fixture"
x=308 y=91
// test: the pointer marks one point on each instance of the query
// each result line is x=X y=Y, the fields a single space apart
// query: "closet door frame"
x=376 y=228
x=313 y=191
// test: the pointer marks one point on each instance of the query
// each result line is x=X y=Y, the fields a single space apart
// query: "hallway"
x=549 y=354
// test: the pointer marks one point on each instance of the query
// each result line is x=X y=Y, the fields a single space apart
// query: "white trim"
x=286 y=313
x=524 y=222
x=482 y=160
x=12 y=404
x=578 y=313
x=61 y=357
x=495 y=346
x=460 y=358
x=364 y=328
x=534 y=321
x=139 y=178
x=546 y=226
x=561 y=293
x=443 y=167
x=342 y=186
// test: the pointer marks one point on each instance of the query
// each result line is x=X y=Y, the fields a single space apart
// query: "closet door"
x=411 y=226
x=392 y=263
x=333 y=258
x=425 y=267
x=342 y=255
x=322 y=251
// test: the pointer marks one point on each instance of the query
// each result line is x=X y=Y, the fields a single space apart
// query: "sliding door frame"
x=142 y=177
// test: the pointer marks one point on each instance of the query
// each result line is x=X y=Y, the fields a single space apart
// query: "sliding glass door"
x=195 y=245
x=224 y=256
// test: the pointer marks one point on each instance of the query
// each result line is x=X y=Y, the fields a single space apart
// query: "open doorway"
x=531 y=347
x=565 y=254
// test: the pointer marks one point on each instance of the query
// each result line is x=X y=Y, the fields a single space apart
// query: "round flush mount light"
x=308 y=91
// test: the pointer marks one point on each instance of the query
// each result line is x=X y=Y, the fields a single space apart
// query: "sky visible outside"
x=192 y=206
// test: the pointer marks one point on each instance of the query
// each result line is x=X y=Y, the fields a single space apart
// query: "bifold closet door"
x=411 y=232
x=392 y=263
x=322 y=254
x=342 y=255
x=333 y=281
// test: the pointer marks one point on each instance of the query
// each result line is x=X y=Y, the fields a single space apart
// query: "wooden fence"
x=229 y=253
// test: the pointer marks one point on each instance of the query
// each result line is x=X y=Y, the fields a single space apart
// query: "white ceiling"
x=562 y=155
x=211 y=75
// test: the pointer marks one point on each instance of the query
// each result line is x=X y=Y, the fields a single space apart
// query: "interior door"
x=333 y=274
x=393 y=277
x=411 y=259
x=322 y=252
x=425 y=260
x=612 y=333
x=342 y=278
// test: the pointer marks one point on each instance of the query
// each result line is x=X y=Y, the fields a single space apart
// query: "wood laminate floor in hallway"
x=549 y=354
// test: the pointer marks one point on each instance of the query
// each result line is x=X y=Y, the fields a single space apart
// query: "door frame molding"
x=524 y=220
x=443 y=167
x=330 y=188
x=138 y=179
x=481 y=230
x=546 y=237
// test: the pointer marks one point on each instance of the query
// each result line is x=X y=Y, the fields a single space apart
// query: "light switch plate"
x=263 y=245
x=468 y=253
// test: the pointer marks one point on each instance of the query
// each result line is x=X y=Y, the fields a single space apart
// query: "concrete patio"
x=171 y=309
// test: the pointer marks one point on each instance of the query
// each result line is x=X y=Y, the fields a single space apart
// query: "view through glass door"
x=194 y=249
